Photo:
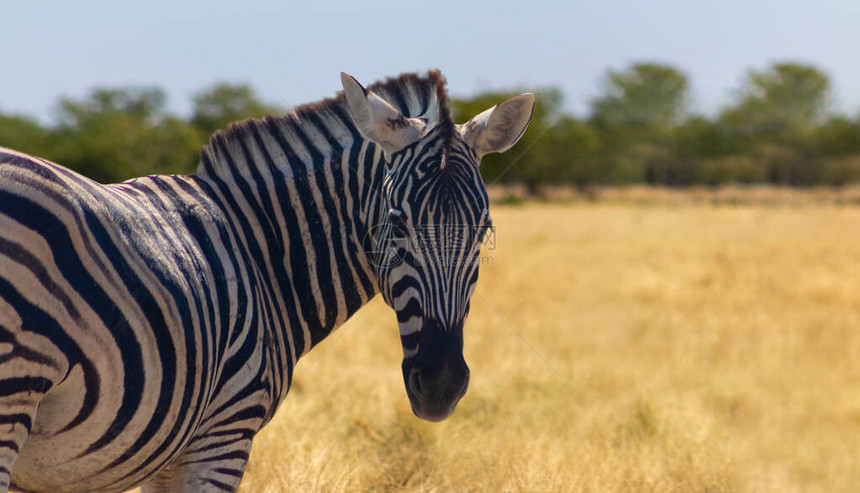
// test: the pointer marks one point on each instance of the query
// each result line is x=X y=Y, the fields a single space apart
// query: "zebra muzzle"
x=435 y=387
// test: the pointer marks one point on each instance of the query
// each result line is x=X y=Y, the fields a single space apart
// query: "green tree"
x=24 y=134
x=838 y=136
x=775 y=120
x=837 y=142
x=116 y=134
x=224 y=103
x=635 y=116
x=787 y=96
x=778 y=130
x=567 y=153
x=139 y=103
x=645 y=95
x=519 y=164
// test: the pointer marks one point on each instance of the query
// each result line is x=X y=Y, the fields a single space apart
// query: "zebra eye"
x=487 y=232
x=397 y=218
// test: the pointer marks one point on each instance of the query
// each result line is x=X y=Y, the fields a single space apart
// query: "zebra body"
x=149 y=329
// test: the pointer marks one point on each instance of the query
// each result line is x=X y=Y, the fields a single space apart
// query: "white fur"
x=377 y=120
x=500 y=127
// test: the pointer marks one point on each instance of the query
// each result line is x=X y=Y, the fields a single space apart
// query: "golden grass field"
x=706 y=349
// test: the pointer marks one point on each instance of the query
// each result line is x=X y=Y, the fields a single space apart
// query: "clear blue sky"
x=292 y=51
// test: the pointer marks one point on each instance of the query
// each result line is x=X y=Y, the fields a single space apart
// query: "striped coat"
x=148 y=329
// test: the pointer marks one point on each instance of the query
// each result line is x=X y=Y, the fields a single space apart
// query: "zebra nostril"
x=415 y=382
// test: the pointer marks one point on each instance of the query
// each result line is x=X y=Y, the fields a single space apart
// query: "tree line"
x=114 y=134
x=779 y=130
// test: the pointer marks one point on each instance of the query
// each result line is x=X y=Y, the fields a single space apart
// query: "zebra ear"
x=377 y=120
x=500 y=127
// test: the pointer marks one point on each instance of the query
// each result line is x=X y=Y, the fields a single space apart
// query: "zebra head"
x=434 y=213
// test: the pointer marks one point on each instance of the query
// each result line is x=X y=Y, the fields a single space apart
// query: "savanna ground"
x=613 y=347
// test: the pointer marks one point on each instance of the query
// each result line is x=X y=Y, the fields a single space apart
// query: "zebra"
x=150 y=328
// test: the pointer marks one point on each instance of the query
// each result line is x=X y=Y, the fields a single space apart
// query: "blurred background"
x=671 y=303
x=663 y=93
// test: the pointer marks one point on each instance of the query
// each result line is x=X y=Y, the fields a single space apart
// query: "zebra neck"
x=300 y=195
x=304 y=191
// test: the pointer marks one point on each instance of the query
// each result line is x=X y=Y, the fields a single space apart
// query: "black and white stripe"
x=149 y=329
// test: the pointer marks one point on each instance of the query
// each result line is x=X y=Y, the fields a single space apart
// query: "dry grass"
x=707 y=349
x=758 y=195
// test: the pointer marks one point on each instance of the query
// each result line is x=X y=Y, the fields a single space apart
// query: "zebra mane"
x=414 y=95
x=418 y=97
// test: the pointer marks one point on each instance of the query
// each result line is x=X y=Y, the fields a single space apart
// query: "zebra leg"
x=19 y=400
x=210 y=464
x=30 y=366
